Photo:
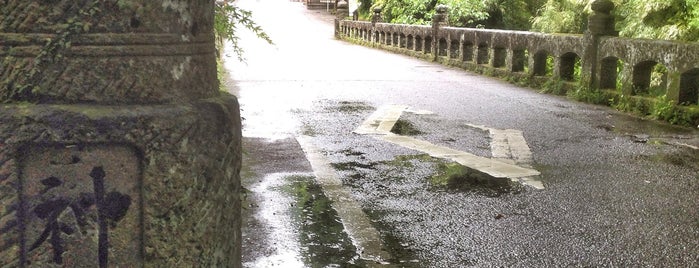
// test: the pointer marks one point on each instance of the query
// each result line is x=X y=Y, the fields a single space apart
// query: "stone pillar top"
x=603 y=6
x=377 y=15
x=442 y=8
x=440 y=17
x=107 y=52
x=601 y=22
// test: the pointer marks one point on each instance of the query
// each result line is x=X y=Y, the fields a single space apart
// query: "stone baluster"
x=439 y=19
x=600 y=23
x=341 y=13
x=376 y=18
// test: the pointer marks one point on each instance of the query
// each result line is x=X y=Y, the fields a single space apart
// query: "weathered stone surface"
x=116 y=146
x=137 y=51
x=72 y=194
x=178 y=163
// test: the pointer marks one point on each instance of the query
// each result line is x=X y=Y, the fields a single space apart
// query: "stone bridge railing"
x=596 y=60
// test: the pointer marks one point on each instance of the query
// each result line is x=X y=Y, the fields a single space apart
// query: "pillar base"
x=155 y=185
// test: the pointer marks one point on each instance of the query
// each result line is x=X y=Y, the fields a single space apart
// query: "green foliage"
x=549 y=65
x=577 y=69
x=510 y=14
x=503 y=14
x=562 y=16
x=653 y=19
x=467 y=13
x=666 y=110
x=622 y=103
x=662 y=108
x=554 y=86
x=659 y=19
x=227 y=19
x=407 y=11
x=594 y=96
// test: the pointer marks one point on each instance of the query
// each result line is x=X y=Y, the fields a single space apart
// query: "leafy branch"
x=227 y=19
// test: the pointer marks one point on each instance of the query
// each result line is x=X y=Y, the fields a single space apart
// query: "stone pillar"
x=341 y=14
x=117 y=148
x=376 y=18
x=600 y=23
x=439 y=19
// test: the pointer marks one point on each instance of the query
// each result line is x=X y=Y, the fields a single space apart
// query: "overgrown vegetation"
x=556 y=16
x=654 y=19
x=501 y=14
x=594 y=96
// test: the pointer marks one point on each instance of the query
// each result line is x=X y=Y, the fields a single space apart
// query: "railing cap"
x=604 y=6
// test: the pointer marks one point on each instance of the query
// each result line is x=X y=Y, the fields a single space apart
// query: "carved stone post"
x=600 y=23
x=117 y=148
x=341 y=14
x=376 y=18
x=439 y=19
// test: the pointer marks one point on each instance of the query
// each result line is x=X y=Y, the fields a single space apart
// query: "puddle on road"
x=644 y=130
x=301 y=224
x=321 y=231
x=346 y=107
x=625 y=124
x=687 y=158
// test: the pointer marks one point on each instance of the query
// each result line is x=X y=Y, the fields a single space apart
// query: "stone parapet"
x=597 y=60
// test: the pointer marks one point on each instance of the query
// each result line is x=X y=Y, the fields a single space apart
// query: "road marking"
x=382 y=120
x=509 y=146
x=357 y=224
x=512 y=157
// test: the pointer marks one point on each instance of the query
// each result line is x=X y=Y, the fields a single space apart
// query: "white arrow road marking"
x=357 y=224
x=512 y=157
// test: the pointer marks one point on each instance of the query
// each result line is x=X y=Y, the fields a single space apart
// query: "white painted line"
x=509 y=146
x=358 y=226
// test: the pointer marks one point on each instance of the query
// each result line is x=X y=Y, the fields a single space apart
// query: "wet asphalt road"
x=619 y=191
